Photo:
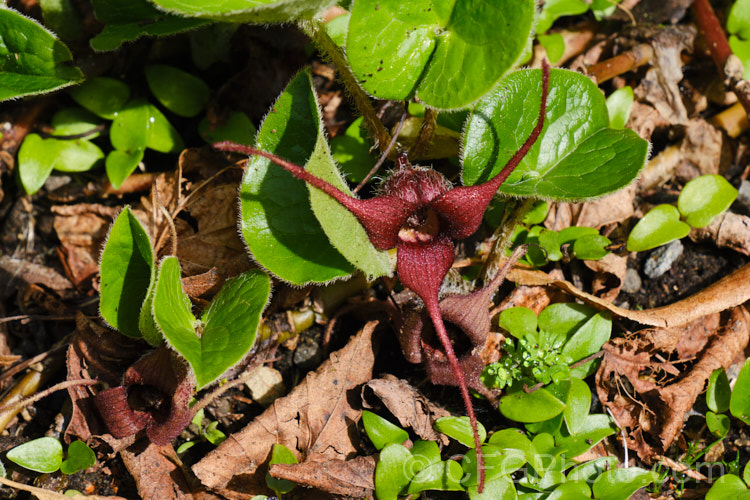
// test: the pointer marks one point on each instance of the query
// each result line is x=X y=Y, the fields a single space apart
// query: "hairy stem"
x=433 y=309
x=514 y=211
x=361 y=100
x=426 y=132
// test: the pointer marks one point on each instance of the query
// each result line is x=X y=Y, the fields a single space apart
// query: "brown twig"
x=385 y=155
x=726 y=62
x=21 y=403
x=621 y=63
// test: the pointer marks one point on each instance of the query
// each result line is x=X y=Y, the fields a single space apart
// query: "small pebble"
x=743 y=198
x=632 y=282
x=308 y=354
x=661 y=259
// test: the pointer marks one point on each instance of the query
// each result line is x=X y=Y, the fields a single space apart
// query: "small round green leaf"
x=442 y=476
x=618 y=106
x=80 y=457
x=718 y=424
x=554 y=44
x=179 y=91
x=659 y=226
x=280 y=454
x=564 y=317
x=619 y=484
x=536 y=406
x=36 y=160
x=129 y=131
x=718 y=392
x=514 y=439
x=518 y=321
x=127 y=269
x=739 y=403
x=553 y=9
x=102 y=96
x=162 y=136
x=120 y=164
x=576 y=157
x=591 y=247
x=381 y=431
x=704 y=198
x=728 y=486
x=392 y=473
x=238 y=128
x=459 y=428
x=588 y=338
x=448 y=54
x=75 y=121
x=41 y=455
x=738 y=25
x=32 y=60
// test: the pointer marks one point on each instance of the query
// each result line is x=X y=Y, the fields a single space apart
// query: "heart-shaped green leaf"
x=32 y=60
x=576 y=157
x=127 y=269
x=536 y=406
x=280 y=454
x=718 y=424
x=41 y=455
x=128 y=21
x=227 y=328
x=381 y=431
x=659 y=226
x=705 y=197
x=242 y=11
x=179 y=91
x=102 y=96
x=739 y=403
x=38 y=157
x=277 y=222
x=80 y=457
x=448 y=54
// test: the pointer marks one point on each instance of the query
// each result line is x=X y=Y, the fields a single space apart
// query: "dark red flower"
x=421 y=214
x=155 y=395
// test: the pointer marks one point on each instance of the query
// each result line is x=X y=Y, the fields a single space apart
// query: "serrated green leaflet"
x=227 y=328
x=32 y=60
x=660 y=225
x=179 y=91
x=448 y=54
x=126 y=273
x=41 y=455
x=277 y=222
x=246 y=11
x=576 y=157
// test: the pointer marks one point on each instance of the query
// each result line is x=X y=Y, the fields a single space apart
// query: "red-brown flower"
x=155 y=394
x=421 y=214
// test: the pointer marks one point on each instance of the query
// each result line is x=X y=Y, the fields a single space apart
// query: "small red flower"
x=155 y=395
x=421 y=214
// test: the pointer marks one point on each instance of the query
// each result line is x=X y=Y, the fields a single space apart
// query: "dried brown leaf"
x=157 y=474
x=351 y=478
x=411 y=408
x=728 y=230
x=730 y=291
x=315 y=421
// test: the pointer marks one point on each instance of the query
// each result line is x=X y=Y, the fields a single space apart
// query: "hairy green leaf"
x=41 y=455
x=246 y=11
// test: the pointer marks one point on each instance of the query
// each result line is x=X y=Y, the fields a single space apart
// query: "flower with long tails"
x=421 y=214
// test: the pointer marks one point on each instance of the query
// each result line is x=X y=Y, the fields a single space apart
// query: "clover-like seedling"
x=46 y=455
x=421 y=214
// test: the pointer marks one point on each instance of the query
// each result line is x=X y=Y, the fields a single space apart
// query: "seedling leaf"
x=442 y=476
x=619 y=484
x=381 y=431
x=34 y=61
x=728 y=486
x=618 y=107
x=739 y=403
x=459 y=429
x=392 y=473
x=562 y=165
x=718 y=424
x=280 y=454
x=536 y=406
x=41 y=455
x=518 y=321
x=80 y=457
x=127 y=268
x=705 y=197
x=277 y=222
x=718 y=393
x=659 y=226
x=73 y=121
x=179 y=91
x=102 y=96
x=577 y=406
x=447 y=54
x=498 y=461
